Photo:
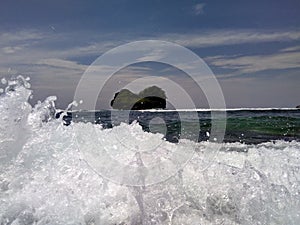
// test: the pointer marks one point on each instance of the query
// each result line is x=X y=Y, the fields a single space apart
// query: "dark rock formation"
x=151 y=102
x=66 y=118
x=150 y=98
x=298 y=107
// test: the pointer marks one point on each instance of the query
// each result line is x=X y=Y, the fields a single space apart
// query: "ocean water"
x=251 y=126
x=46 y=178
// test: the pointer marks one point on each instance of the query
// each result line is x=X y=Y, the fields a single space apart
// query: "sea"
x=200 y=166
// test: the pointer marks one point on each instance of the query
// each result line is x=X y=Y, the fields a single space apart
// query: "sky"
x=252 y=47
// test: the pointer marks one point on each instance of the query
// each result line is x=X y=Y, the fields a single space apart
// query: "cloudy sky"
x=253 y=47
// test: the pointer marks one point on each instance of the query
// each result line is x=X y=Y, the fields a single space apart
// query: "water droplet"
x=3 y=81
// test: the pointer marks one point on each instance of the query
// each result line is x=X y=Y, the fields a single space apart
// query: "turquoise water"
x=246 y=126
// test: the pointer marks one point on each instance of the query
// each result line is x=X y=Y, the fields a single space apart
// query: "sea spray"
x=14 y=111
x=45 y=180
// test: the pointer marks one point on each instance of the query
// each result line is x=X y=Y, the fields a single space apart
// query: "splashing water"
x=43 y=179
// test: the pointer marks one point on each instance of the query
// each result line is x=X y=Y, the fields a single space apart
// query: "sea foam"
x=44 y=178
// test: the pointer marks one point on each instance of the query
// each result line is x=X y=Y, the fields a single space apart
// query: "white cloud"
x=32 y=45
x=199 y=8
x=20 y=36
x=11 y=49
x=252 y=64
x=231 y=37
x=291 y=49
x=155 y=55
x=66 y=64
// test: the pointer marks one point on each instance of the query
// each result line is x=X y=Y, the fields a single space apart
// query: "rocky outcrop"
x=298 y=107
x=150 y=98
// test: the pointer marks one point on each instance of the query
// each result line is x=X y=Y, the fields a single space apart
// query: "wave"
x=45 y=177
x=227 y=109
x=204 y=110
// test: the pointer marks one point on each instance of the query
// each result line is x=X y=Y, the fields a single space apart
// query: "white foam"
x=44 y=179
x=208 y=110
x=201 y=110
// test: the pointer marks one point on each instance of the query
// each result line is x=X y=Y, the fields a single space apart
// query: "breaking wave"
x=44 y=179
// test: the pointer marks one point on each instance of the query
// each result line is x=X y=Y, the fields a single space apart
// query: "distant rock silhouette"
x=298 y=107
x=150 y=98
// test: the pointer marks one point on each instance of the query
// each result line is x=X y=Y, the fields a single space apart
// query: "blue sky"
x=253 y=47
